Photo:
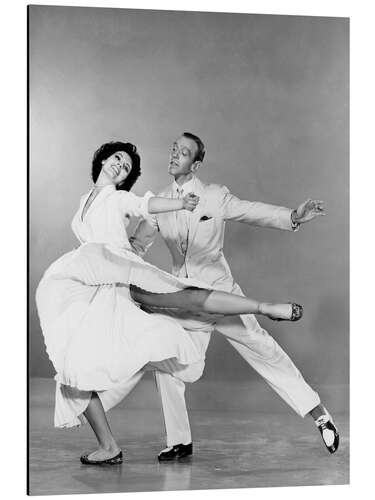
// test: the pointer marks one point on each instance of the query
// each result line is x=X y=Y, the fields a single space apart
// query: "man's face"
x=182 y=156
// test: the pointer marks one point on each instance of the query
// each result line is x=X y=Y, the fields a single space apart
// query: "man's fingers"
x=319 y=212
x=317 y=202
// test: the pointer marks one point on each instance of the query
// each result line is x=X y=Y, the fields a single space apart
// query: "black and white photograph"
x=188 y=250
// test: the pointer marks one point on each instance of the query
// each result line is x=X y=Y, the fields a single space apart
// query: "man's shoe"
x=328 y=431
x=176 y=452
x=109 y=461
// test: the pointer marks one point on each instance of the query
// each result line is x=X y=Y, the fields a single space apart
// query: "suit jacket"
x=204 y=258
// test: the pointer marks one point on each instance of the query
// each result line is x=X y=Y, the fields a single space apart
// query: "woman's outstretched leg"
x=108 y=448
x=216 y=302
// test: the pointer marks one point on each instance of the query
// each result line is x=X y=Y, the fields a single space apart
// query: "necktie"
x=182 y=224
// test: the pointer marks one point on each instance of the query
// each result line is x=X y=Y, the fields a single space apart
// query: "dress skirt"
x=96 y=336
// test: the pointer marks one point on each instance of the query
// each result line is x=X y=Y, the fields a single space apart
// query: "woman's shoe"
x=276 y=313
x=109 y=461
x=297 y=312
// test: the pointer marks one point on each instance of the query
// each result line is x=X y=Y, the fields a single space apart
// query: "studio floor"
x=232 y=449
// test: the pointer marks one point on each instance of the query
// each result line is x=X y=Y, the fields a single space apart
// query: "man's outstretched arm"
x=266 y=215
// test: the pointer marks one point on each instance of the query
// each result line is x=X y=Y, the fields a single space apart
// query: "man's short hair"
x=201 y=149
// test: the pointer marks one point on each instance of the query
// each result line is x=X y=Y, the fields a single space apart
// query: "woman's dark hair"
x=110 y=148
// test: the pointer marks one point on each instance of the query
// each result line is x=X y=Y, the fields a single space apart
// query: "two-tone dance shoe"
x=281 y=312
x=328 y=431
x=176 y=452
x=116 y=460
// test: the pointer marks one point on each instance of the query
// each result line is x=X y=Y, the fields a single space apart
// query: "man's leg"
x=265 y=355
x=176 y=419
x=170 y=380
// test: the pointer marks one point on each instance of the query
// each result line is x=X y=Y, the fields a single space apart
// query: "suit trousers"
x=260 y=351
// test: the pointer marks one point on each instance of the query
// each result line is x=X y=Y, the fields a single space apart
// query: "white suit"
x=204 y=259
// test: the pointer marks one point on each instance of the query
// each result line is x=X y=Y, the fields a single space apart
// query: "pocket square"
x=204 y=218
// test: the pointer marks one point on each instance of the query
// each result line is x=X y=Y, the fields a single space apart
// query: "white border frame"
x=13 y=248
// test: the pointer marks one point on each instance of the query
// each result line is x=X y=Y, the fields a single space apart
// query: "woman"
x=95 y=334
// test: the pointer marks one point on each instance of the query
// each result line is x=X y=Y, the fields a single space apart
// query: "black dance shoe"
x=328 y=431
x=297 y=313
x=109 y=461
x=175 y=452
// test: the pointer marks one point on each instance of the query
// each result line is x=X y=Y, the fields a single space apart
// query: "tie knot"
x=180 y=191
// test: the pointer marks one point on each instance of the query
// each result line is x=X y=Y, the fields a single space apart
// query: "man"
x=195 y=241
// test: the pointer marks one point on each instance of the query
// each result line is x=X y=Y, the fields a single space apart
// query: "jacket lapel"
x=170 y=218
x=195 y=216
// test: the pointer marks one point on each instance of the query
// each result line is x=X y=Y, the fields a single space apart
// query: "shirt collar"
x=188 y=187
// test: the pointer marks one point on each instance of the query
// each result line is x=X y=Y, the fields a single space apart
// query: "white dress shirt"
x=183 y=216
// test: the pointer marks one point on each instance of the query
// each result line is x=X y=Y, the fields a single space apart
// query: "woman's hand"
x=190 y=201
x=157 y=204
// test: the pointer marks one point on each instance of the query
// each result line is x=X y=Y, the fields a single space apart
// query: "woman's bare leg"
x=96 y=416
x=211 y=301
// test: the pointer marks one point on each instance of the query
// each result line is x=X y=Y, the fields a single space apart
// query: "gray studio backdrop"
x=269 y=97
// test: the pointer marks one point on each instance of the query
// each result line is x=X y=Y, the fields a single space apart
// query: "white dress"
x=95 y=335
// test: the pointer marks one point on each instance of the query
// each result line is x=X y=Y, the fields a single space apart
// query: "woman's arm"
x=157 y=204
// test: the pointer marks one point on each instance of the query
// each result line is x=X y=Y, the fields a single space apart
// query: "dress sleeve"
x=76 y=225
x=134 y=205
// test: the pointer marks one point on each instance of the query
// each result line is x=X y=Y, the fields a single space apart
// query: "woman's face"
x=117 y=167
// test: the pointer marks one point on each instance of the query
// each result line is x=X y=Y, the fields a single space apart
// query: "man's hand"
x=307 y=211
x=190 y=201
